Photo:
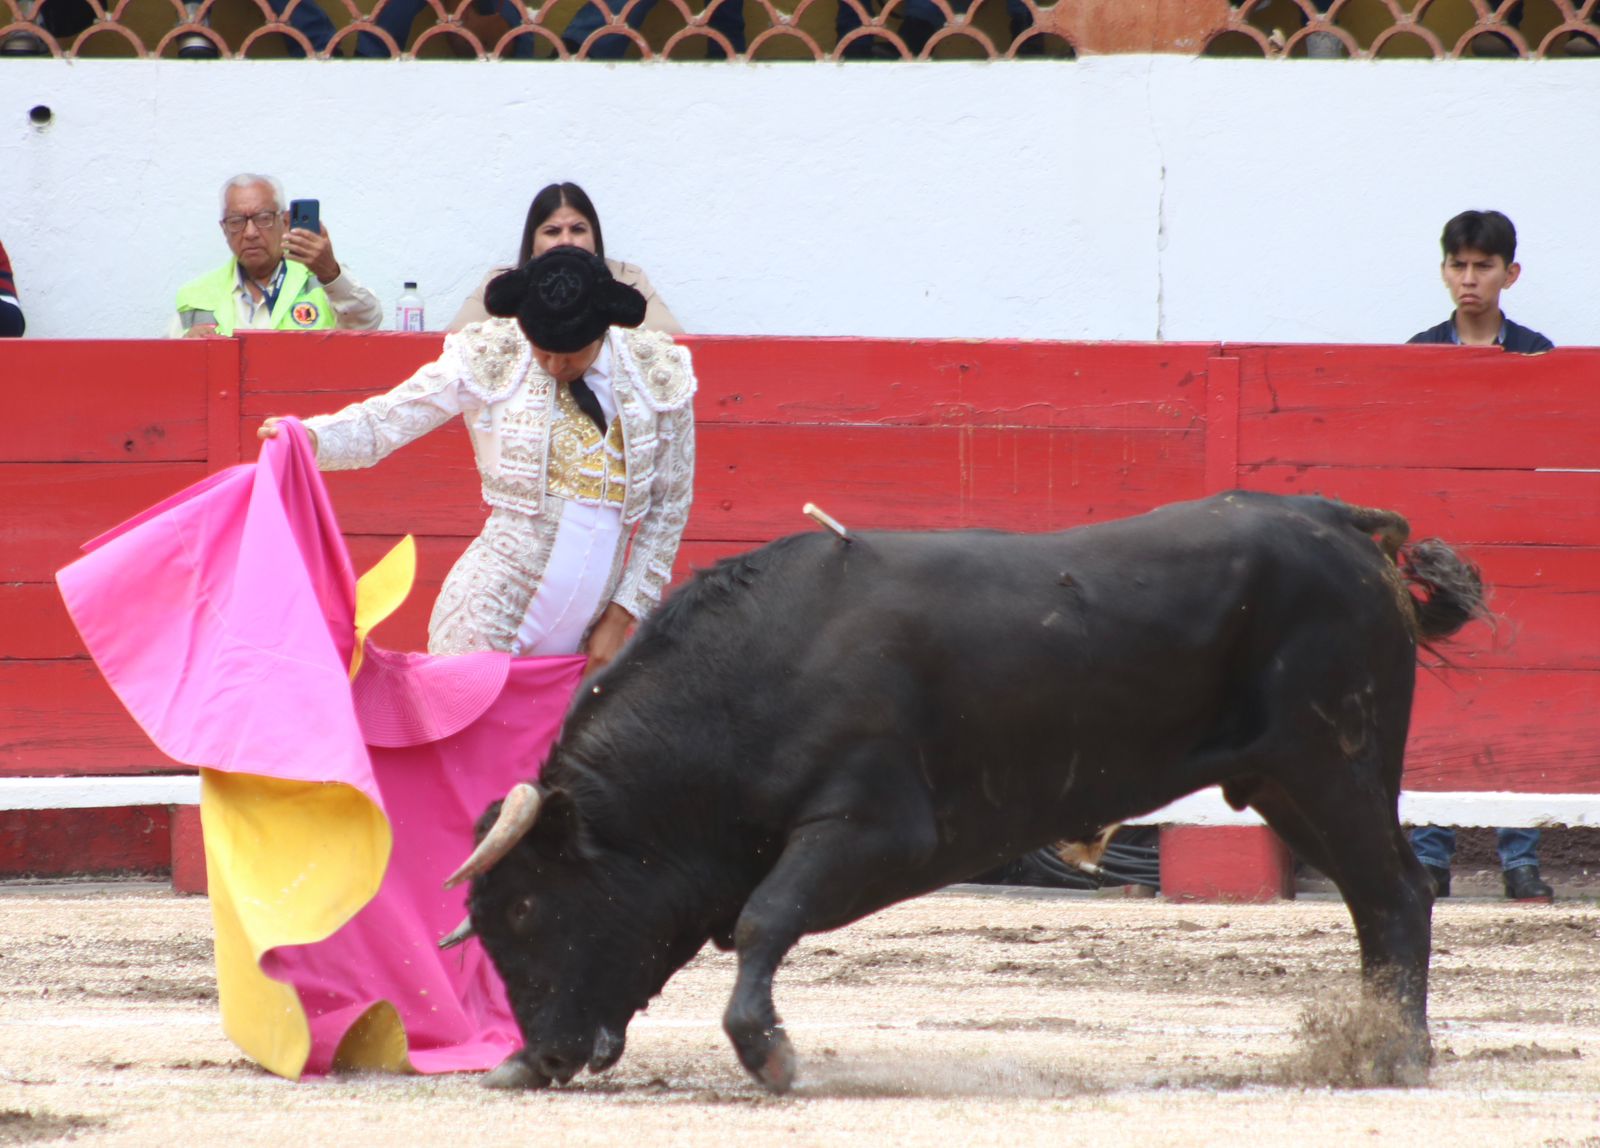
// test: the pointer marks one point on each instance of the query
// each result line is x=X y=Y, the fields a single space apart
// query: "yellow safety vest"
x=302 y=303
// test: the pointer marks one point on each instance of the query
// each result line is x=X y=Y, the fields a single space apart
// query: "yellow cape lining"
x=288 y=863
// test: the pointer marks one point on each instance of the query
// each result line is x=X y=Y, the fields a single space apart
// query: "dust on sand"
x=1004 y=1017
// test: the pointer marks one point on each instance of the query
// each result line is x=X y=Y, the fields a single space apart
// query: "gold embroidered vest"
x=584 y=466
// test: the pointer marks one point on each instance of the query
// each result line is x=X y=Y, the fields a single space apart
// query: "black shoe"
x=23 y=44
x=1582 y=44
x=1523 y=884
x=194 y=46
x=869 y=48
x=1488 y=46
x=1440 y=875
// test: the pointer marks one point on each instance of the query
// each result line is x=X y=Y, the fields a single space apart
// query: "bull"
x=809 y=732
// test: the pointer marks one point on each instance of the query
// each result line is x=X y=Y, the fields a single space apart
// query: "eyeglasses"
x=235 y=224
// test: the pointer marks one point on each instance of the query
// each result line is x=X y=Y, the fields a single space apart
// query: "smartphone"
x=306 y=214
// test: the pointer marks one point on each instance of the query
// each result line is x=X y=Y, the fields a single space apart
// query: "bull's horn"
x=456 y=935
x=518 y=812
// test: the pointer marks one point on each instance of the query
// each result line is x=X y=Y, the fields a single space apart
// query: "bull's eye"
x=521 y=912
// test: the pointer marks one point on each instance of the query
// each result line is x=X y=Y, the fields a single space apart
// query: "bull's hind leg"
x=832 y=871
x=1346 y=826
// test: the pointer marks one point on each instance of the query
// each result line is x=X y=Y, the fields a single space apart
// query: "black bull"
x=820 y=728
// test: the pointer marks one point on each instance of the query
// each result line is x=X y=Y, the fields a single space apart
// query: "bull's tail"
x=1388 y=529
x=1452 y=588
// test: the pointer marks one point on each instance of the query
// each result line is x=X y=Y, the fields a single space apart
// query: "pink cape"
x=224 y=619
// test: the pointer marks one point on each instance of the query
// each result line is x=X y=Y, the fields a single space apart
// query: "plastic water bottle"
x=408 y=309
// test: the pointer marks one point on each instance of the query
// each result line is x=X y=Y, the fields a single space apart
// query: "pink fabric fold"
x=452 y=1004
x=408 y=699
x=224 y=620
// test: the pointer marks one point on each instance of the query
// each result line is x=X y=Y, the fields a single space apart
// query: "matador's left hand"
x=607 y=638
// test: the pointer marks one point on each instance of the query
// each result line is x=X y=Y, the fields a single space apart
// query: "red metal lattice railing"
x=800 y=29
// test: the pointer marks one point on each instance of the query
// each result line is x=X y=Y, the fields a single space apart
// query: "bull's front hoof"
x=769 y=1057
x=777 y=1072
x=515 y=1074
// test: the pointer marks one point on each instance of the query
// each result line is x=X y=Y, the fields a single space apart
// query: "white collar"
x=598 y=376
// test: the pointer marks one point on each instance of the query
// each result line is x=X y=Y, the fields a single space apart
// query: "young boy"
x=1480 y=252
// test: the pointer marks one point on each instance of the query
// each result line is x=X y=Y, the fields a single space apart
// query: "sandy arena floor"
x=966 y=1018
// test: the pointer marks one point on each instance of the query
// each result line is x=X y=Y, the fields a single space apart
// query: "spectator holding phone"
x=560 y=215
x=280 y=277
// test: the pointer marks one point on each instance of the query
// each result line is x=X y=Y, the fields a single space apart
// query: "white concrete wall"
x=1111 y=198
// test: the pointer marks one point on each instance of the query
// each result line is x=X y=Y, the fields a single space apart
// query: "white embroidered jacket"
x=487 y=374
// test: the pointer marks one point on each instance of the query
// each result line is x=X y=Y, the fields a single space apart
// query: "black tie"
x=588 y=403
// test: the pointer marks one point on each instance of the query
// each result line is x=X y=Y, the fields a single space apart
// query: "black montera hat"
x=564 y=299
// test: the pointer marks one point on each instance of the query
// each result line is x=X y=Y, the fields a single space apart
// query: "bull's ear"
x=559 y=825
x=485 y=822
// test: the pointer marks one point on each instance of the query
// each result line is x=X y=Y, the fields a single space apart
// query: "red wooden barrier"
x=64 y=842
x=1496 y=453
x=1224 y=863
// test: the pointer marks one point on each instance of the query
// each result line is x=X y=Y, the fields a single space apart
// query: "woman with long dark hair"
x=563 y=215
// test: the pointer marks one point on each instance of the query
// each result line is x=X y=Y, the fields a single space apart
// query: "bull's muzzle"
x=516 y=1074
x=561 y=1060
x=529 y=1069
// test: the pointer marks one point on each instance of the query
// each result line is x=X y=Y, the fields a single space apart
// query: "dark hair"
x=544 y=206
x=1487 y=231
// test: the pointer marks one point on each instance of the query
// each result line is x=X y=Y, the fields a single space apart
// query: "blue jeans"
x=397 y=16
x=1436 y=845
x=920 y=19
x=928 y=13
x=846 y=21
x=727 y=18
x=309 y=20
